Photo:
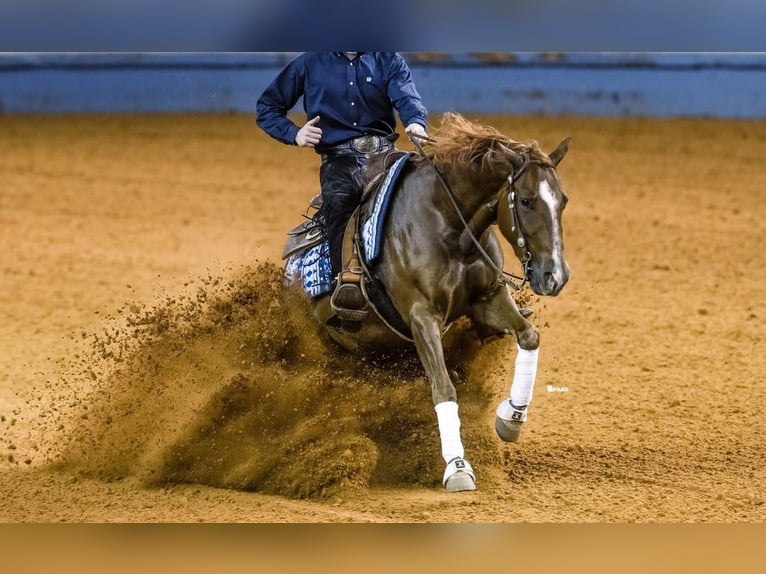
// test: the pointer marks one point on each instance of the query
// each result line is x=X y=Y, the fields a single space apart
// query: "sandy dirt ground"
x=152 y=371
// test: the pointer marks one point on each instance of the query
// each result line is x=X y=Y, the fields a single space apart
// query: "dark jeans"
x=341 y=180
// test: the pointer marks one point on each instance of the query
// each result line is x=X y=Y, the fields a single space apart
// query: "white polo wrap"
x=524 y=377
x=449 y=430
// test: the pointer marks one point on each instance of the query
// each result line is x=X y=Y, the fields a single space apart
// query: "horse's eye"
x=525 y=202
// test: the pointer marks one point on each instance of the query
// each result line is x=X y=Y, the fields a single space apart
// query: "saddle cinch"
x=358 y=251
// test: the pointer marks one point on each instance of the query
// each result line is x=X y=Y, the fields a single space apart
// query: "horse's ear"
x=500 y=156
x=558 y=154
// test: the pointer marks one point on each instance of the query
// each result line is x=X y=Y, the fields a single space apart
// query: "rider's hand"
x=309 y=135
x=416 y=129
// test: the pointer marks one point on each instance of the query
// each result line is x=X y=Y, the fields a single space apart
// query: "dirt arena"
x=151 y=370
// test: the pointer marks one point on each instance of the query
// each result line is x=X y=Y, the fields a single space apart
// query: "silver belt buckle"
x=366 y=144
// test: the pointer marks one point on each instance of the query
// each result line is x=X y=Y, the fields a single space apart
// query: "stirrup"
x=349 y=303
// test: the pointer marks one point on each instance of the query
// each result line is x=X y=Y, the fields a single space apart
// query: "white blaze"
x=546 y=195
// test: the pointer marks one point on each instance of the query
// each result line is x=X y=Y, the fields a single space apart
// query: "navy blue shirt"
x=351 y=97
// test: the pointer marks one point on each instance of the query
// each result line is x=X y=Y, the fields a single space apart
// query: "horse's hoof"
x=509 y=431
x=458 y=476
x=459 y=482
x=509 y=421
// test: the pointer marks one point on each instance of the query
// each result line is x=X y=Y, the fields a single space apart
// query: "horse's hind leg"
x=498 y=315
x=426 y=331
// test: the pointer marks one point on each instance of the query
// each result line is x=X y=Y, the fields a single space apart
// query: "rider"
x=350 y=98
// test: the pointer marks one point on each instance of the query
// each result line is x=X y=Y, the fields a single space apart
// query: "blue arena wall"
x=593 y=84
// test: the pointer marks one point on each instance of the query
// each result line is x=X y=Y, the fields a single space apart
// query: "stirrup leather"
x=348 y=300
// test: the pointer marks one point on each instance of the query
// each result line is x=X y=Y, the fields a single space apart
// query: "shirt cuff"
x=292 y=131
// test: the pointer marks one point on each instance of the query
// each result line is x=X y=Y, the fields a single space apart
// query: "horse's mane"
x=459 y=142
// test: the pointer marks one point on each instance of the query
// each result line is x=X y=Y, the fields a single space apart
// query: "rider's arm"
x=278 y=99
x=404 y=95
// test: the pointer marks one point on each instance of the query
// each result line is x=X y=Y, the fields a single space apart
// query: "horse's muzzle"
x=548 y=283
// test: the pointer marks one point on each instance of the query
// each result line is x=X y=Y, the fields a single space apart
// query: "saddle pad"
x=372 y=229
x=313 y=268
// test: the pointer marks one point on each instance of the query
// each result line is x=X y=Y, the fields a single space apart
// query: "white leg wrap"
x=449 y=430
x=524 y=377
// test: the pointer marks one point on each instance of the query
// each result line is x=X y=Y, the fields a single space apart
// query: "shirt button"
x=352 y=103
x=354 y=123
x=351 y=83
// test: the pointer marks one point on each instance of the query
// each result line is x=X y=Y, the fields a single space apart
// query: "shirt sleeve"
x=278 y=99
x=403 y=94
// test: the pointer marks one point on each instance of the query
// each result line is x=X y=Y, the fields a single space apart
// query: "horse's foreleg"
x=426 y=331
x=512 y=412
x=498 y=315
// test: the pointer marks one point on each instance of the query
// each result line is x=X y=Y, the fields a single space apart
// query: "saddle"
x=357 y=289
x=350 y=301
x=312 y=231
x=309 y=233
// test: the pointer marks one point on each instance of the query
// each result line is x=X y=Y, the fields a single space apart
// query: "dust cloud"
x=233 y=385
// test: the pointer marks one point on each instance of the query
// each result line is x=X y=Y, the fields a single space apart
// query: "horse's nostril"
x=549 y=281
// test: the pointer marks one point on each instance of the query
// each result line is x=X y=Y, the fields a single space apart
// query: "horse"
x=441 y=260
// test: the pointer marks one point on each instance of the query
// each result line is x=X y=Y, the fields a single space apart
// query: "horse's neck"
x=472 y=189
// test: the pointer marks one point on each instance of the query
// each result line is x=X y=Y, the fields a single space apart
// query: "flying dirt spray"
x=232 y=386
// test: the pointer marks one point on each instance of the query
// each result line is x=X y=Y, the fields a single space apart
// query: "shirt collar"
x=342 y=54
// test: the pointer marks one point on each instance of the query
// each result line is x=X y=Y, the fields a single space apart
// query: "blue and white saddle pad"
x=313 y=266
x=372 y=229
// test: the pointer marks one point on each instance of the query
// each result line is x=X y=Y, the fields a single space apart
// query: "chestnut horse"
x=441 y=260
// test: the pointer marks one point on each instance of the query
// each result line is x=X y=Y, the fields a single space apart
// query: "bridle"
x=521 y=240
x=504 y=277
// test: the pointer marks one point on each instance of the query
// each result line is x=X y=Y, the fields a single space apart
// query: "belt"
x=363 y=145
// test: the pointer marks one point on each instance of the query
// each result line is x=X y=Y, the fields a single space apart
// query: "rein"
x=504 y=276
